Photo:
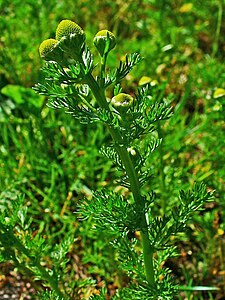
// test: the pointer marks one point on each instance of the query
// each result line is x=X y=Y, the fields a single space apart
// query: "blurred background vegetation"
x=55 y=161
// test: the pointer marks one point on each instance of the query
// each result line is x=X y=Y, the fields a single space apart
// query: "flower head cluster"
x=70 y=39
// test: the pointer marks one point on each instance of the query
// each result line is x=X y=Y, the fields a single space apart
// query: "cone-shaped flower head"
x=122 y=102
x=104 y=41
x=49 y=50
x=70 y=36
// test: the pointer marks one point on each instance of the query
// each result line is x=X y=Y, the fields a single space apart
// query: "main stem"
x=148 y=249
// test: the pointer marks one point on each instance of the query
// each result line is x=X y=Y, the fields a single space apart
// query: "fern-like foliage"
x=191 y=201
x=113 y=212
x=110 y=153
x=162 y=228
x=49 y=295
x=125 y=67
x=110 y=212
x=164 y=289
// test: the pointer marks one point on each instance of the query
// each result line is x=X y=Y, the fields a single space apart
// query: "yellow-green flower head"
x=104 y=41
x=122 y=102
x=70 y=36
x=49 y=50
x=67 y=27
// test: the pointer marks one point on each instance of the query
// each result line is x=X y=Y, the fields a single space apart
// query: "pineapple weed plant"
x=134 y=124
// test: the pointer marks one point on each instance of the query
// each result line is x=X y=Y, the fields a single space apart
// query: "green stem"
x=83 y=100
x=102 y=72
x=148 y=249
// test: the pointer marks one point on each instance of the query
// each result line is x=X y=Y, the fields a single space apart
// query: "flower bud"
x=134 y=154
x=49 y=50
x=71 y=36
x=104 y=41
x=132 y=151
x=122 y=102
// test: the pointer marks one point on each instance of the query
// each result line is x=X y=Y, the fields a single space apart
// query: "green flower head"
x=66 y=28
x=71 y=36
x=104 y=41
x=122 y=102
x=49 y=50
